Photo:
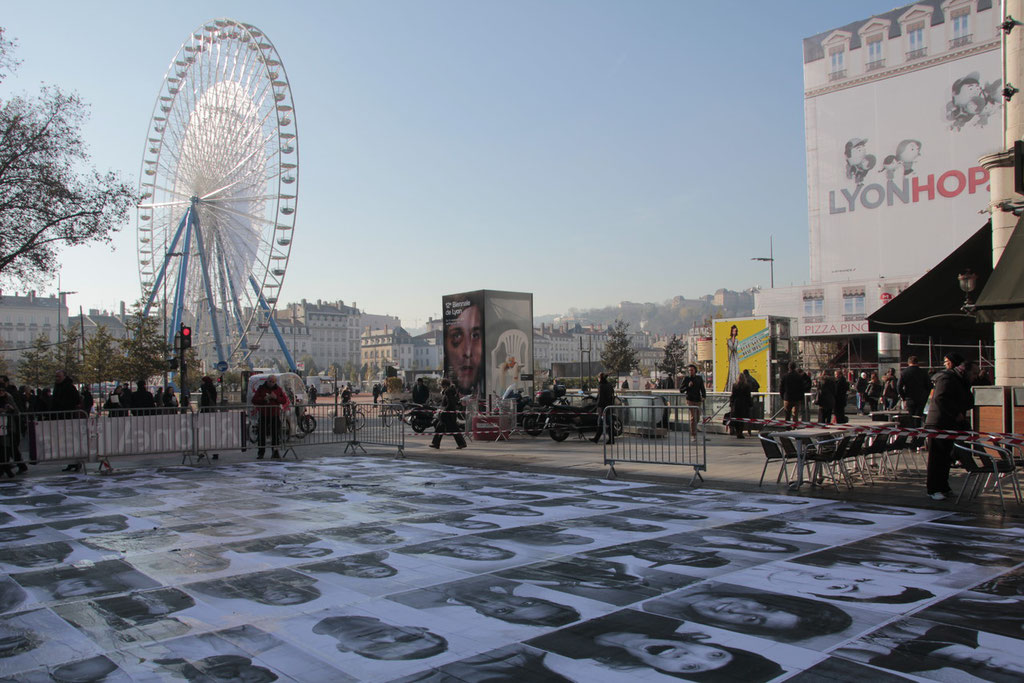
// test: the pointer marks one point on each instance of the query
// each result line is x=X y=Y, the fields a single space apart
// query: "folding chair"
x=828 y=455
x=997 y=463
x=774 y=452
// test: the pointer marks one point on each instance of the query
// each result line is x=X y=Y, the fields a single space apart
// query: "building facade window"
x=876 y=60
x=916 y=47
x=837 y=63
x=961 y=20
x=814 y=306
x=853 y=303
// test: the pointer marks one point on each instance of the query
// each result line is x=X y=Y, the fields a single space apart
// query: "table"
x=801 y=438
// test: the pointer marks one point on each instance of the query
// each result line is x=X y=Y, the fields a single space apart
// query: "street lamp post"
x=60 y=297
x=770 y=259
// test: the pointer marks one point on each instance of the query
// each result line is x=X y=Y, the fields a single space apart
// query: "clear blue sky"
x=588 y=151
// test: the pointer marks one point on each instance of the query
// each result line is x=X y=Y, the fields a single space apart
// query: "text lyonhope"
x=913 y=190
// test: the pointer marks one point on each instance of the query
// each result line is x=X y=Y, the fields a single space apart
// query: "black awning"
x=932 y=304
x=1002 y=298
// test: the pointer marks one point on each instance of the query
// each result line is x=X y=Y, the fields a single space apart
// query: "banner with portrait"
x=463 y=322
x=740 y=344
x=508 y=340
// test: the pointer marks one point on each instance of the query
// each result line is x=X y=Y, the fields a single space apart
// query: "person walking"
x=9 y=434
x=873 y=392
x=207 y=395
x=947 y=409
x=741 y=403
x=605 y=398
x=913 y=387
x=87 y=400
x=826 y=396
x=862 y=387
x=65 y=398
x=754 y=385
x=448 y=424
x=208 y=401
x=271 y=402
x=889 y=393
x=842 y=395
x=420 y=392
x=791 y=391
x=693 y=389
x=376 y=392
x=142 y=401
x=169 y=399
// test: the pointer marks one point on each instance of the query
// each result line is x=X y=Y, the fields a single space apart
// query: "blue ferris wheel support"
x=273 y=324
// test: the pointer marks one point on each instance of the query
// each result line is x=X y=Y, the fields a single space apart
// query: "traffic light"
x=186 y=337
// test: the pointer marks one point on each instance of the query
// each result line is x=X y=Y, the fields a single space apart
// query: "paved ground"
x=344 y=568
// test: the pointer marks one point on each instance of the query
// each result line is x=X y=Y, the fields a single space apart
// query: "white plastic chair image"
x=514 y=344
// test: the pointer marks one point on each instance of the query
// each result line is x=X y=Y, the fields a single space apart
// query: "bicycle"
x=354 y=416
x=389 y=413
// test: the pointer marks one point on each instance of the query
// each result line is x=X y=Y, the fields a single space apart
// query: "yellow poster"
x=740 y=344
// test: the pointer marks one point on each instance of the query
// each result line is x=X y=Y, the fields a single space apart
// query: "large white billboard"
x=894 y=182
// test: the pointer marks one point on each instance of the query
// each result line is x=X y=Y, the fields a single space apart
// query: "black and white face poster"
x=431 y=572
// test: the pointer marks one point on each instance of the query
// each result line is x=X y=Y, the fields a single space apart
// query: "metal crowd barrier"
x=198 y=433
x=656 y=435
x=377 y=424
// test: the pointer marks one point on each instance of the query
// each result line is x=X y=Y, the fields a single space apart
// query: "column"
x=1009 y=336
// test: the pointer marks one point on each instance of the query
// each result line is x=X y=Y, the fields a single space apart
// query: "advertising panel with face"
x=508 y=336
x=463 y=320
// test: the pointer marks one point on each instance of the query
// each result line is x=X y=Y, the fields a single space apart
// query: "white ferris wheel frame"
x=219 y=185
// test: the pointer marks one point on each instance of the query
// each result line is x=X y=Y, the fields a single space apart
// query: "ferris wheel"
x=218 y=184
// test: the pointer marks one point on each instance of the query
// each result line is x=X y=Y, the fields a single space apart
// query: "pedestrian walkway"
x=379 y=569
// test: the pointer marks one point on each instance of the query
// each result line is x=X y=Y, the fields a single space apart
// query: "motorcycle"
x=564 y=419
x=419 y=416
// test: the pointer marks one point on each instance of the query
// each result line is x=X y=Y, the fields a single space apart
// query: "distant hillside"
x=675 y=316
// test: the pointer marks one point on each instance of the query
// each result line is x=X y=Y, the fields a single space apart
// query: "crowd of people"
x=65 y=401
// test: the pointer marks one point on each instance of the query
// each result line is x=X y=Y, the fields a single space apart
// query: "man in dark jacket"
x=826 y=398
x=420 y=392
x=948 y=408
x=842 y=392
x=693 y=388
x=272 y=402
x=740 y=405
x=448 y=422
x=914 y=386
x=605 y=398
x=66 y=399
x=207 y=395
x=142 y=401
x=862 y=389
x=791 y=391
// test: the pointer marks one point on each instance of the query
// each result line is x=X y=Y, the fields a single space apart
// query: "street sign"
x=222 y=366
x=300 y=365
